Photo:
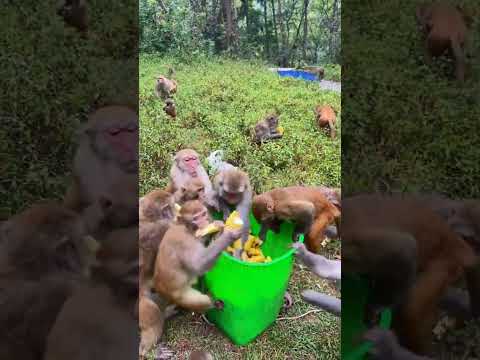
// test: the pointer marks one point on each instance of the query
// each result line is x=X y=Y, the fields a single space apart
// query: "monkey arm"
x=331 y=231
x=321 y=266
x=323 y=301
x=333 y=131
x=201 y=259
x=386 y=346
x=244 y=212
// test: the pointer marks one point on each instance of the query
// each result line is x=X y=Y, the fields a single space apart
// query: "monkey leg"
x=417 y=317
x=194 y=300
x=459 y=60
x=473 y=284
x=317 y=231
x=151 y=325
x=331 y=127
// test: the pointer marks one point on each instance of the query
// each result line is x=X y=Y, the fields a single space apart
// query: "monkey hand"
x=232 y=234
x=300 y=247
x=219 y=224
x=385 y=344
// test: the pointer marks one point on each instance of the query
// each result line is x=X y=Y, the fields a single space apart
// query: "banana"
x=234 y=222
x=209 y=229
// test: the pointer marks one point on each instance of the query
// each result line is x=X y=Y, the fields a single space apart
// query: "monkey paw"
x=287 y=301
x=162 y=353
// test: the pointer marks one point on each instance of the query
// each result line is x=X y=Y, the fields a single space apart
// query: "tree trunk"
x=305 y=29
x=265 y=19
x=274 y=19
x=283 y=56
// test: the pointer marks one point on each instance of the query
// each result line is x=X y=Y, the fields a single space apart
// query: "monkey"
x=156 y=213
x=193 y=189
x=47 y=238
x=232 y=188
x=29 y=311
x=445 y=29
x=327 y=269
x=267 y=129
x=326 y=118
x=165 y=87
x=407 y=249
x=74 y=13
x=106 y=160
x=182 y=258
x=170 y=108
x=151 y=322
x=200 y=355
x=105 y=306
x=463 y=217
x=187 y=166
x=386 y=346
x=307 y=207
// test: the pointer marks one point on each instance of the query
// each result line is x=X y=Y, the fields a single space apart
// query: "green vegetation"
x=50 y=79
x=409 y=124
x=218 y=102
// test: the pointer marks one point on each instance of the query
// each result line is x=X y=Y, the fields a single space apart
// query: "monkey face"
x=189 y=163
x=194 y=215
x=262 y=211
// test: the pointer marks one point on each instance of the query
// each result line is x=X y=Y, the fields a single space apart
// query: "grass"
x=218 y=101
x=51 y=79
x=410 y=125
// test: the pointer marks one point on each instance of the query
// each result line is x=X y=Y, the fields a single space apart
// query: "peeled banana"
x=251 y=251
x=207 y=230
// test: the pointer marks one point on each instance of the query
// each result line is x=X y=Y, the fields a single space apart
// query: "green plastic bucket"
x=252 y=292
x=354 y=298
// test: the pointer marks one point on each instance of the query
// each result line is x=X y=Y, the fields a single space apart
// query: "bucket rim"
x=252 y=264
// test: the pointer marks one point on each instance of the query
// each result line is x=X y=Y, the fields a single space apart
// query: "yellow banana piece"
x=257 y=259
x=254 y=252
x=237 y=244
x=244 y=256
x=268 y=259
x=209 y=229
x=230 y=249
x=249 y=243
x=281 y=130
x=234 y=222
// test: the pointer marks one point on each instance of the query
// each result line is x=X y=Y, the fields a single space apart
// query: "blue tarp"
x=299 y=74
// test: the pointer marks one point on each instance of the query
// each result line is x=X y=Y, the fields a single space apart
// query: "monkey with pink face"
x=187 y=167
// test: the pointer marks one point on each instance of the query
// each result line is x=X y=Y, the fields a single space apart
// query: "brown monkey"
x=48 y=238
x=187 y=166
x=151 y=322
x=165 y=87
x=170 y=108
x=267 y=129
x=193 y=189
x=156 y=214
x=29 y=311
x=106 y=307
x=463 y=217
x=182 y=258
x=74 y=13
x=232 y=189
x=326 y=118
x=403 y=243
x=106 y=161
x=445 y=28
x=306 y=206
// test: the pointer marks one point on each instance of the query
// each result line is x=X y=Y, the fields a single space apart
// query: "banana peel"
x=281 y=130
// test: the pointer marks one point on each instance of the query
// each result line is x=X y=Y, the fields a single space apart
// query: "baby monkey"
x=170 y=108
x=267 y=129
x=326 y=119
